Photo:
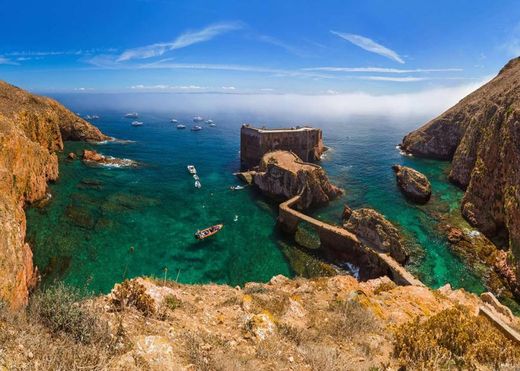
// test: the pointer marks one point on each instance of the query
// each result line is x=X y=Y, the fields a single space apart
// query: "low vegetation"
x=454 y=338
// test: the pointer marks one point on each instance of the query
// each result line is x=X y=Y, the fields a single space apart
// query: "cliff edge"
x=32 y=129
x=481 y=136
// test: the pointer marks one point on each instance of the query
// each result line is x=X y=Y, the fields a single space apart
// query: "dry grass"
x=56 y=333
x=349 y=319
x=454 y=338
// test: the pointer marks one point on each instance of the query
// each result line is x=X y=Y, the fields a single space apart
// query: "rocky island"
x=282 y=175
x=414 y=185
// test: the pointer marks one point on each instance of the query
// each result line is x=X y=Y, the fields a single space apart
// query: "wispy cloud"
x=369 y=45
x=4 y=60
x=184 y=40
x=393 y=79
x=381 y=70
x=167 y=87
x=276 y=42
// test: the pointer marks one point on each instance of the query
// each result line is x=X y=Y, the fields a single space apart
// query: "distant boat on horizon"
x=132 y=115
x=212 y=125
x=197 y=119
x=137 y=123
x=209 y=122
x=196 y=128
x=181 y=126
x=174 y=121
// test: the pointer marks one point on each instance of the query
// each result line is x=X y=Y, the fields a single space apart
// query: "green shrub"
x=57 y=308
x=172 y=302
x=132 y=293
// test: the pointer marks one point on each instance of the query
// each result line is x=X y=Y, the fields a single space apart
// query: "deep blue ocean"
x=106 y=224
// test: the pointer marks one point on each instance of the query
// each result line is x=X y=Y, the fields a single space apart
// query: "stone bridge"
x=344 y=243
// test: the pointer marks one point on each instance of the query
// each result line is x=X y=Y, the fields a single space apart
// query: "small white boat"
x=236 y=188
x=174 y=121
x=181 y=126
x=91 y=117
x=209 y=121
x=132 y=115
x=196 y=177
x=197 y=119
x=212 y=125
x=197 y=184
x=192 y=169
x=137 y=123
x=196 y=128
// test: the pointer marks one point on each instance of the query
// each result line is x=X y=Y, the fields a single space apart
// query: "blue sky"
x=255 y=47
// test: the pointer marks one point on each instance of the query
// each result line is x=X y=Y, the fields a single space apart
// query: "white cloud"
x=228 y=88
x=381 y=70
x=369 y=45
x=184 y=40
x=167 y=87
x=276 y=42
x=393 y=79
x=4 y=60
x=294 y=107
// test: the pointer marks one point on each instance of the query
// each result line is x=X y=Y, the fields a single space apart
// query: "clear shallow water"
x=107 y=224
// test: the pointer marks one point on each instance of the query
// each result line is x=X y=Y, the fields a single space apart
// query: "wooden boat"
x=208 y=232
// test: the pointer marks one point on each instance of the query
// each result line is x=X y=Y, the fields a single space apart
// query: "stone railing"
x=341 y=239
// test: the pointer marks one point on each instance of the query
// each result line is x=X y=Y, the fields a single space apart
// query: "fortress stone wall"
x=306 y=142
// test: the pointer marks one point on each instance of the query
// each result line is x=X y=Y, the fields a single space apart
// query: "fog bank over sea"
x=332 y=105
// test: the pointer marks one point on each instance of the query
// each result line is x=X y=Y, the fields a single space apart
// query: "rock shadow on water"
x=122 y=202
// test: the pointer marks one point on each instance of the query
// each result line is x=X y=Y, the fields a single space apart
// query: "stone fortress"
x=304 y=141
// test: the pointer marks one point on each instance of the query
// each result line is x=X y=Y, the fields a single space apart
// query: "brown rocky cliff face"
x=283 y=175
x=481 y=135
x=32 y=129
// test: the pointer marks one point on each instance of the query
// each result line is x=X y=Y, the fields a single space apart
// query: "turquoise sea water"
x=107 y=224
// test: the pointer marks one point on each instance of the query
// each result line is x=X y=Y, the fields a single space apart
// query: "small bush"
x=324 y=358
x=58 y=308
x=172 y=302
x=132 y=293
x=453 y=338
x=291 y=333
x=350 y=319
x=384 y=286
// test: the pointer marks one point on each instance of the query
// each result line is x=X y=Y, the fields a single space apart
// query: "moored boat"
x=196 y=128
x=209 y=121
x=236 y=188
x=197 y=119
x=132 y=115
x=137 y=123
x=181 y=126
x=207 y=232
x=212 y=125
x=174 y=121
x=197 y=184
x=192 y=169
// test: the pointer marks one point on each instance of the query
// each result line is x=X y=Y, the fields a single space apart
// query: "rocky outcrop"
x=91 y=157
x=481 y=135
x=376 y=231
x=283 y=175
x=413 y=184
x=32 y=129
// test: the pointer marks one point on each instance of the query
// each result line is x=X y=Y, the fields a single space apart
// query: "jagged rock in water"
x=376 y=231
x=481 y=135
x=283 y=175
x=413 y=184
x=95 y=158
x=32 y=130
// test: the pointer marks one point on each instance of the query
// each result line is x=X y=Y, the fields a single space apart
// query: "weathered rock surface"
x=481 y=135
x=376 y=231
x=283 y=175
x=32 y=129
x=94 y=158
x=413 y=184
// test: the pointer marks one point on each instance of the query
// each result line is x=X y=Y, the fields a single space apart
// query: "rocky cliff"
x=283 y=175
x=481 y=136
x=32 y=129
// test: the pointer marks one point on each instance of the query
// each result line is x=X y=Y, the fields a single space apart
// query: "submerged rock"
x=414 y=185
x=95 y=158
x=283 y=175
x=376 y=231
x=71 y=156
